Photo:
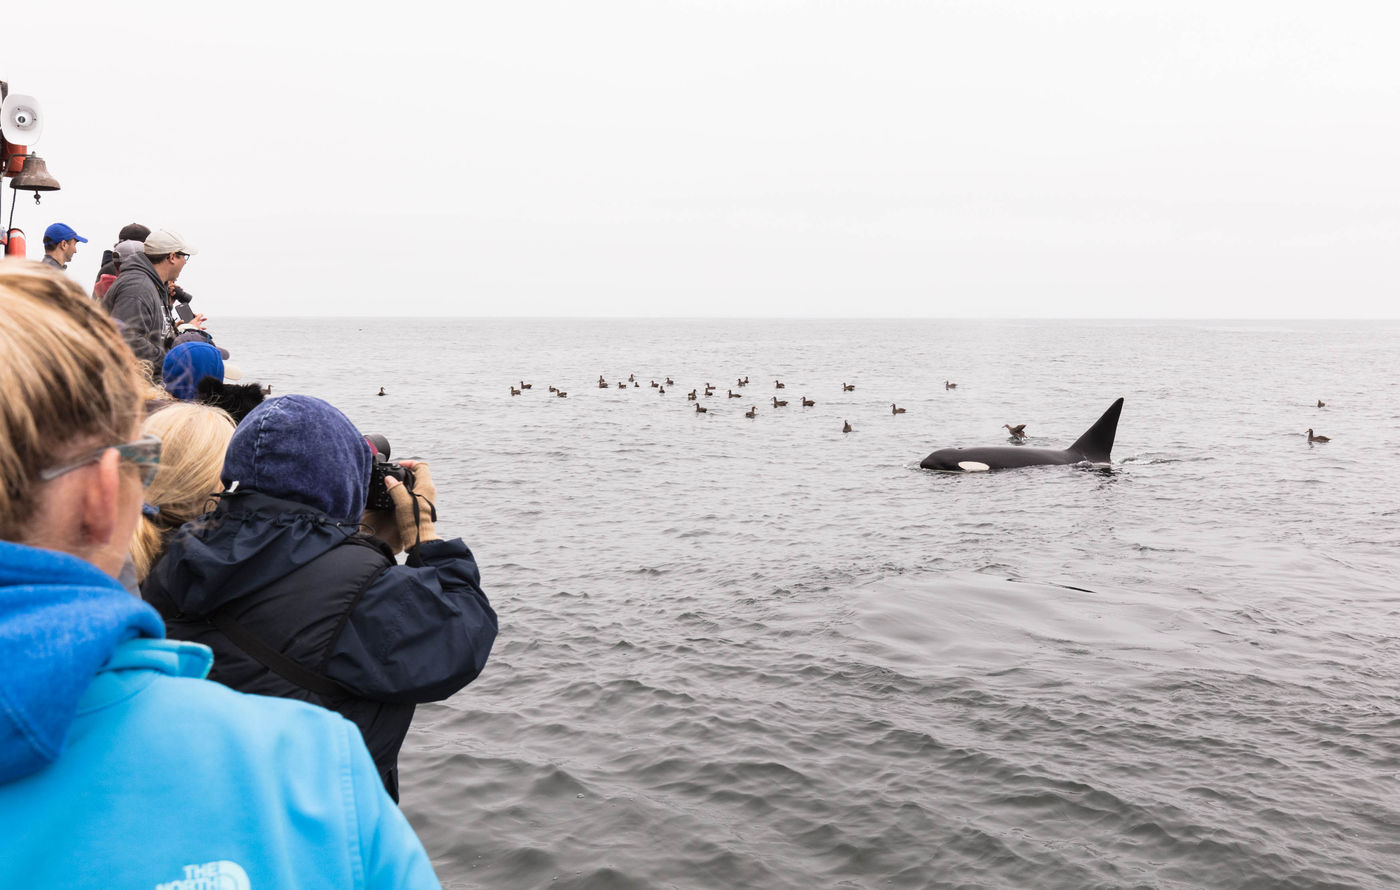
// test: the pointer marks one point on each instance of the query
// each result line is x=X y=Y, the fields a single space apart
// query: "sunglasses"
x=144 y=453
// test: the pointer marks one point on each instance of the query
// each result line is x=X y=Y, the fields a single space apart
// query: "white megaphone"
x=21 y=120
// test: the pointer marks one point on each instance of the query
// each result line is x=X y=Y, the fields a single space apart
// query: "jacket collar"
x=136 y=663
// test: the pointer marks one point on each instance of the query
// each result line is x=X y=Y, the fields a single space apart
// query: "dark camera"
x=382 y=469
x=181 y=294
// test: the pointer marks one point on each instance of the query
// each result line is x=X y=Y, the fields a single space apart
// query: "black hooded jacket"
x=371 y=637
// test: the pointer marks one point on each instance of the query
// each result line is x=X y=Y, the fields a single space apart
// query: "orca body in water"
x=1092 y=447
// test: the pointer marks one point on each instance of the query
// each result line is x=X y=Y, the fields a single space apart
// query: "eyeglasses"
x=182 y=255
x=144 y=453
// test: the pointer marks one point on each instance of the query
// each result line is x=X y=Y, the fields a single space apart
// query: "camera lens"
x=379 y=445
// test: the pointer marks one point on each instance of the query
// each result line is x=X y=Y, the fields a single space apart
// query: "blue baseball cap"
x=62 y=232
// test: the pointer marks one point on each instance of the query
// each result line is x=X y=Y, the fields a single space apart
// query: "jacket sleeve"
x=391 y=855
x=420 y=632
x=141 y=326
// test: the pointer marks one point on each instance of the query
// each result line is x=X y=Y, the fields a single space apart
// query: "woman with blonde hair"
x=119 y=765
x=193 y=441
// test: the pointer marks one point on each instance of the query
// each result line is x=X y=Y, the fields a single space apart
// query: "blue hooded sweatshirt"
x=121 y=767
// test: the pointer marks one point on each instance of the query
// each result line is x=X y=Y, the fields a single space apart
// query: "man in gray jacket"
x=139 y=298
x=60 y=243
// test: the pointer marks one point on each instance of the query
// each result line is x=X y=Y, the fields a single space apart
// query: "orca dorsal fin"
x=1097 y=441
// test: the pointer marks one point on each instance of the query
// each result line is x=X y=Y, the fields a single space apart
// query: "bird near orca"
x=1092 y=447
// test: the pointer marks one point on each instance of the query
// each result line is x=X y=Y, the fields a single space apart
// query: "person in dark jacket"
x=110 y=266
x=121 y=253
x=140 y=295
x=297 y=601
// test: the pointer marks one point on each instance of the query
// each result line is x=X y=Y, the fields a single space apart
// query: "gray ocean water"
x=763 y=653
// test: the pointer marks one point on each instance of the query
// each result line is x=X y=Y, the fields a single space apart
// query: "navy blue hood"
x=302 y=449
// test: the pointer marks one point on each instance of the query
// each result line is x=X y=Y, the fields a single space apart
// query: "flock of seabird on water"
x=709 y=390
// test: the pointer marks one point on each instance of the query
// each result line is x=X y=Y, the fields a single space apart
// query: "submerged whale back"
x=1097 y=441
x=1094 y=447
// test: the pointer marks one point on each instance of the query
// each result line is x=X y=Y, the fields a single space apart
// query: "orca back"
x=1097 y=441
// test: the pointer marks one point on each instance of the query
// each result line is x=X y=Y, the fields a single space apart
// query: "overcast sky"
x=1064 y=158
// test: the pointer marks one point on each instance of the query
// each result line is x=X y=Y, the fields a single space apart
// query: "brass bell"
x=34 y=176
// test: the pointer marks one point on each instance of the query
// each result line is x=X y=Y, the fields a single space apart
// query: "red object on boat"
x=12 y=158
x=14 y=244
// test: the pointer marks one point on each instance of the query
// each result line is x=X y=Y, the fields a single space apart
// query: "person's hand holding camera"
x=414 y=510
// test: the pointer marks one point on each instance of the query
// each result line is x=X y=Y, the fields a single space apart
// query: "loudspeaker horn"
x=21 y=119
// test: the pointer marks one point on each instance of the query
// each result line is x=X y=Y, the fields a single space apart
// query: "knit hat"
x=302 y=449
x=186 y=365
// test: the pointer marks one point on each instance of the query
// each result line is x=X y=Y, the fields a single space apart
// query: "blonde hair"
x=193 y=440
x=69 y=382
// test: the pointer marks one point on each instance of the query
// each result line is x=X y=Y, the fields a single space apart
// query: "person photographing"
x=139 y=298
x=293 y=582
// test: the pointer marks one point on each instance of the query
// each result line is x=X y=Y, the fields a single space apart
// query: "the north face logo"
x=221 y=875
